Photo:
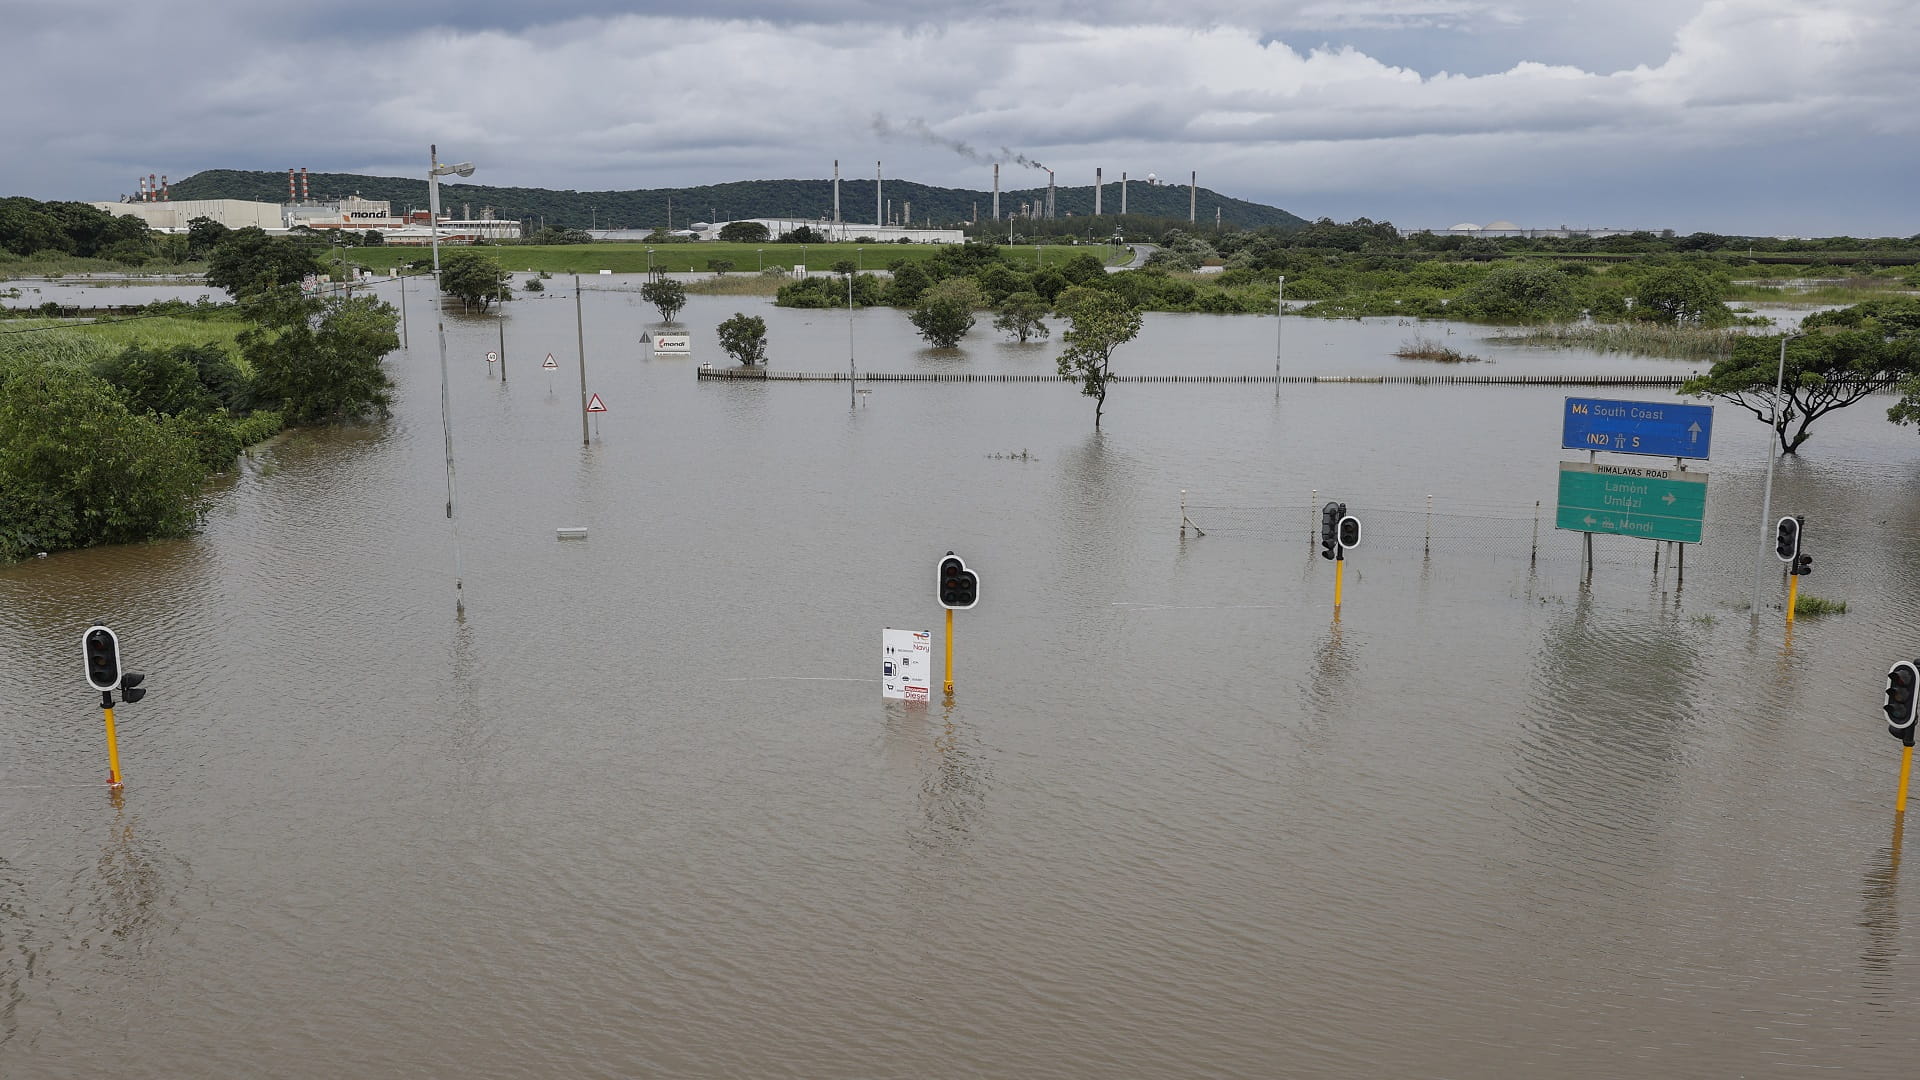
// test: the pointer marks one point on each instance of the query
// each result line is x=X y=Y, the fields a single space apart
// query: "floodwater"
x=642 y=812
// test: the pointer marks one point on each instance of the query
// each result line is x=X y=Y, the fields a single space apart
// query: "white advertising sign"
x=906 y=664
x=672 y=343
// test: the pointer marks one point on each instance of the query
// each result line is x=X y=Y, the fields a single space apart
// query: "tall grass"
x=737 y=285
x=1851 y=290
x=54 y=264
x=1639 y=339
x=1425 y=348
x=83 y=342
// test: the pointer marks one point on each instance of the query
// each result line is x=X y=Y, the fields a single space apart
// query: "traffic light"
x=1802 y=564
x=957 y=586
x=102 y=651
x=1902 y=679
x=1330 y=516
x=130 y=688
x=1349 y=532
x=1786 y=542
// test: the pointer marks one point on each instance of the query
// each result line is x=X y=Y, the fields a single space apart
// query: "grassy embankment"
x=48 y=264
x=55 y=339
x=624 y=258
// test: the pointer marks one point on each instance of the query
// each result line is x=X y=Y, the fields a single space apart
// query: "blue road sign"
x=1654 y=428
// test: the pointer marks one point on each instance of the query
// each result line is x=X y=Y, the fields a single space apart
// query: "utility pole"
x=580 y=333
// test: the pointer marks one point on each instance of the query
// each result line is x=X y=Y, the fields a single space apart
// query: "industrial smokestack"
x=306 y=193
x=1193 y=196
x=1123 y=193
x=879 y=215
x=1096 y=192
x=292 y=192
x=1049 y=214
x=996 y=191
x=153 y=187
x=166 y=190
x=141 y=183
x=836 y=198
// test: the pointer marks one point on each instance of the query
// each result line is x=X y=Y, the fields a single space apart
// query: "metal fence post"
x=1533 y=557
x=1427 y=547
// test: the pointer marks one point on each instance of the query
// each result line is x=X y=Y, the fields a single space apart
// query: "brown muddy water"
x=641 y=812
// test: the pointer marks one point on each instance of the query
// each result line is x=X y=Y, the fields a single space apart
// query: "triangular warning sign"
x=551 y=364
x=645 y=338
x=594 y=404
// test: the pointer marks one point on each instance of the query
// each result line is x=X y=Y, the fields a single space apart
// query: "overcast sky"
x=1746 y=116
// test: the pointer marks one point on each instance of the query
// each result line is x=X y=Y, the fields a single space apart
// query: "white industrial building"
x=354 y=214
x=1503 y=229
x=845 y=231
x=168 y=216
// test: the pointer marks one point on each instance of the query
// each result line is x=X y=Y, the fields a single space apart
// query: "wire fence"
x=1722 y=565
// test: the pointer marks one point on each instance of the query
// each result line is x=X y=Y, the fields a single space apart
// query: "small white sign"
x=679 y=344
x=551 y=364
x=799 y=270
x=606 y=271
x=906 y=664
x=594 y=404
x=492 y=357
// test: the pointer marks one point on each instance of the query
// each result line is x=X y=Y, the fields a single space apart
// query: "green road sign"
x=1655 y=504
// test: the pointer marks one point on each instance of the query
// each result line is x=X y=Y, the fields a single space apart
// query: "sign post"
x=906 y=664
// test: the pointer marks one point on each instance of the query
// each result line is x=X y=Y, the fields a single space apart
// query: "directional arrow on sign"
x=1693 y=431
x=1589 y=519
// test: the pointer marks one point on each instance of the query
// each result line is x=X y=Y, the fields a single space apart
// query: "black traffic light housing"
x=1349 y=532
x=1903 y=680
x=956 y=586
x=130 y=688
x=101 y=650
x=1786 y=539
x=1330 y=517
x=1802 y=565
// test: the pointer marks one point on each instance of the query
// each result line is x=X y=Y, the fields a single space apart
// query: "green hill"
x=740 y=199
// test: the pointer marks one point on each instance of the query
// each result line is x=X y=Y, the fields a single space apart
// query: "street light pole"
x=435 y=171
x=1766 y=499
x=1280 y=314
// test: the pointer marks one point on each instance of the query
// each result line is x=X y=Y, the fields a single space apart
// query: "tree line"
x=103 y=445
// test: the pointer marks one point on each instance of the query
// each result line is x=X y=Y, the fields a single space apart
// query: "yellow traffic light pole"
x=113 y=743
x=1339 y=574
x=949 y=650
x=1793 y=594
x=1906 y=770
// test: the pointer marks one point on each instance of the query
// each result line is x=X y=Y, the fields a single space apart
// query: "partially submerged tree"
x=1099 y=322
x=318 y=361
x=1022 y=316
x=945 y=312
x=1824 y=371
x=1517 y=293
x=743 y=337
x=475 y=278
x=1682 y=294
x=666 y=295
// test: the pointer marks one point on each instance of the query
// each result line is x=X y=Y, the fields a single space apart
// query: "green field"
x=85 y=341
x=746 y=258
